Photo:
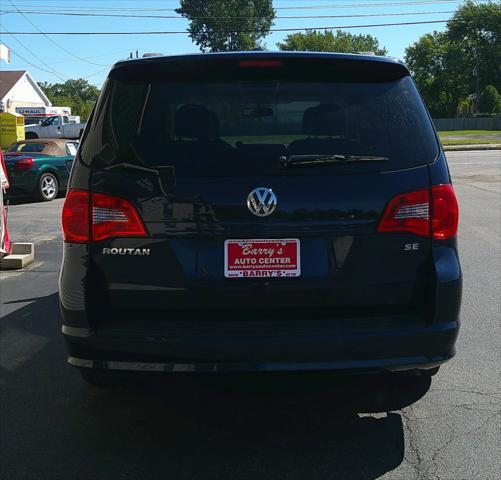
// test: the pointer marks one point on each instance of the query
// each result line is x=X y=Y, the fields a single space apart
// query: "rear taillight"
x=94 y=217
x=114 y=217
x=408 y=212
x=429 y=212
x=23 y=164
x=445 y=212
x=76 y=217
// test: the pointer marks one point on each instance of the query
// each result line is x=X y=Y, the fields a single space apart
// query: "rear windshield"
x=251 y=127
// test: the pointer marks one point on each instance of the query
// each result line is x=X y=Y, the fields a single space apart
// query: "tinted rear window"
x=246 y=126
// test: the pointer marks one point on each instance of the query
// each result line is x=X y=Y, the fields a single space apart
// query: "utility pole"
x=477 y=84
x=476 y=73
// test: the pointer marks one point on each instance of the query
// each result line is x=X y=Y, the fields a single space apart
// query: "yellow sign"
x=11 y=129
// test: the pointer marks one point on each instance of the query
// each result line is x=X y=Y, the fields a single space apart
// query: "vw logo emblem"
x=262 y=201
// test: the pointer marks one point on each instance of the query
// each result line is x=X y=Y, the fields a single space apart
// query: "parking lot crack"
x=417 y=461
x=473 y=392
x=454 y=436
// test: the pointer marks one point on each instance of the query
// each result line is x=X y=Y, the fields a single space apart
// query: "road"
x=53 y=426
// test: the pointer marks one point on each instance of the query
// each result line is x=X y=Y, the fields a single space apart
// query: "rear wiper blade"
x=154 y=169
x=315 y=160
x=130 y=166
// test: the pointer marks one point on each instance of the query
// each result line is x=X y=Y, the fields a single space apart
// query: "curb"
x=466 y=148
x=23 y=254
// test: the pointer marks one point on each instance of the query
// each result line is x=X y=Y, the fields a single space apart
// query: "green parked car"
x=40 y=167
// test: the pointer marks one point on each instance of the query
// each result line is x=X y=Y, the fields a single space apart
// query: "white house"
x=18 y=89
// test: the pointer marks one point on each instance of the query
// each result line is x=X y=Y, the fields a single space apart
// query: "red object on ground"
x=4 y=179
x=5 y=245
x=6 y=240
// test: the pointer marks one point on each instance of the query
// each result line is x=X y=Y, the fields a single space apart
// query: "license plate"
x=262 y=258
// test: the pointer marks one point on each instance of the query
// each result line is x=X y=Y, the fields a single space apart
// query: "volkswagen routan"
x=260 y=211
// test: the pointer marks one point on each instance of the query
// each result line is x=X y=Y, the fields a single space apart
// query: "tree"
x=490 y=100
x=228 y=25
x=445 y=64
x=476 y=30
x=78 y=94
x=342 y=42
x=435 y=63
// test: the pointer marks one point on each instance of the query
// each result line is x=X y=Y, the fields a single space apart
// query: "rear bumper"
x=408 y=348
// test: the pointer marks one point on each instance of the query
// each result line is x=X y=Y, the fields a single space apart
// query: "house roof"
x=9 y=78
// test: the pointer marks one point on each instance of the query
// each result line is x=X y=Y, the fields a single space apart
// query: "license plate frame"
x=262 y=258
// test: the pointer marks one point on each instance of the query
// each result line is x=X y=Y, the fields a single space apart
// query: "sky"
x=54 y=58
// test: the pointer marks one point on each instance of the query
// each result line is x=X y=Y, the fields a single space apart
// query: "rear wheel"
x=420 y=373
x=48 y=187
x=431 y=372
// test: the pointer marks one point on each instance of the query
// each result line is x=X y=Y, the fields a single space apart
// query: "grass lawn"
x=469 y=132
x=459 y=137
x=470 y=137
x=472 y=141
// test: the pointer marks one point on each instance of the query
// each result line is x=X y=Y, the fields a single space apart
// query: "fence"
x=443 y=124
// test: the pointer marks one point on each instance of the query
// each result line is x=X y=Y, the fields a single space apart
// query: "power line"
x=53 y=42
x=176 y=1
x=178 y=17
x=38 y=67
x=364 y=5
x=53 y=71
x=183 y=32
x=57 y=62
x=293 y=7
x=96 y=73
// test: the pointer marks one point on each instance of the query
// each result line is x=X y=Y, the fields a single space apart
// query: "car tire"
x=420 y=373
x=48 y=187
x=430 y=372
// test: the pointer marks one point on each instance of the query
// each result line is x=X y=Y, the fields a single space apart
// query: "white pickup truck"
x=57 y=126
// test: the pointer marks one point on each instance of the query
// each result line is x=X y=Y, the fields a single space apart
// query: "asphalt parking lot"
x=318 y=426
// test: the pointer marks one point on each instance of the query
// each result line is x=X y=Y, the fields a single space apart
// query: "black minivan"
x=260 y=211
